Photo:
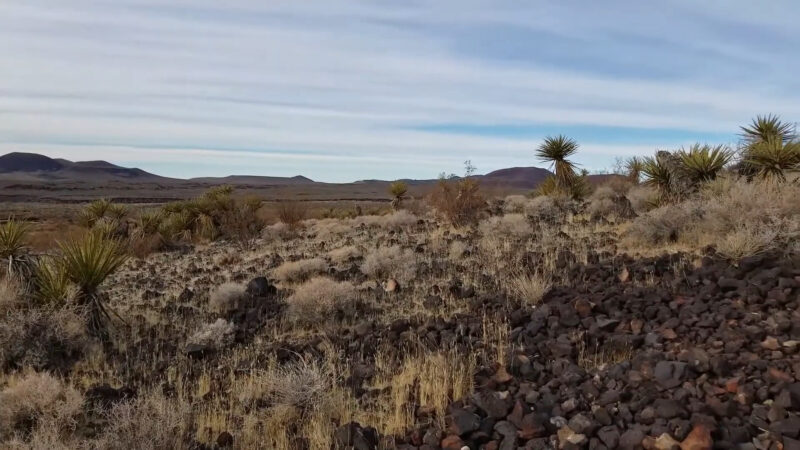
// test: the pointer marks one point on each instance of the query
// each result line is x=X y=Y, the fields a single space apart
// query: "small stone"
x=609 y=435
x=698 y=439
x=770 y=343
x=225 y=440
x=452 y=442
x=391 y=286
x=666 y=442
x=462 y=422
x=631 y=439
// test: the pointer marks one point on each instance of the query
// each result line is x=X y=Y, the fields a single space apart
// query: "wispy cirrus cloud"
x=342 y=90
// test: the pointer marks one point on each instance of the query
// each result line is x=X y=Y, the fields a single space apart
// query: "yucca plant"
x=51 y=283
x=87 y=263
x=658 y=175
x=773 y=158
x=556 y=150
x=398 y=191
x=768 y=128
x=701 y=163
x=102 y=209
x=633 y=167
x=13 y=236
x=149 y=222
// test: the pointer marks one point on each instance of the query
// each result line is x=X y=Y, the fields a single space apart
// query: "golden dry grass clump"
x=315 y=300
x=301 y=270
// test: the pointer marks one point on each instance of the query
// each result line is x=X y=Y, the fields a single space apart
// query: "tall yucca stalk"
x=773 y=158
x=701 y=163
x=87 y=263
x=13 y=235
x=556 y=150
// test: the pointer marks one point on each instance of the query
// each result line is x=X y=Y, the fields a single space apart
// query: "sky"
x=346 y=90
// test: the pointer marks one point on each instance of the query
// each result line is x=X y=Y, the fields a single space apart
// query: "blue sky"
x=346 y=90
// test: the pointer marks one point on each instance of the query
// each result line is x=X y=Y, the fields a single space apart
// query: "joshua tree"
x=87 y=263
x=701 y=163
x=556 y=150
x=398 y=190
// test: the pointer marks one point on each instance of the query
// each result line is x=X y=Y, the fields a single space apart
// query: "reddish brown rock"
x=698 y=439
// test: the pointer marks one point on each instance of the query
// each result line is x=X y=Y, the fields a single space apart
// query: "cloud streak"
x=346 y=90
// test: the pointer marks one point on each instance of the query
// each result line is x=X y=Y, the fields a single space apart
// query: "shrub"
x=459 y=201
x=217 y=334
x=148 y=422
x=43 y=339
x=508 y=226
x=548 y=208
x=317 y=299
x=301 y=270
x=344 y=254
x=226 y=297
x=457 y=250
x=665 y=224
x=10 y=295
x=394 y=221
x=38 y=399
x=390 y=262
x=642 y=198
x=514 y=204
x=608 y=203
x=102 y=210
x=291 y=213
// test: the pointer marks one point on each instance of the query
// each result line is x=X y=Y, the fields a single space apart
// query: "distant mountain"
x=255 y=180
x=32 y=166
x=517 y=177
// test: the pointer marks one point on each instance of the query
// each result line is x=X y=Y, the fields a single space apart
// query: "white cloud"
x=338 y=87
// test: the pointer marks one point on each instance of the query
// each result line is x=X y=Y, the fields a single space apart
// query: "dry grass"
x=529 y=289
x=390 y=262
x=315 y=300
x=420 y=380
x=226 y=297
x=149 y=422
x=217 y=334
x=291 y=213
x=599 y=357
x=44 y=339
x=344 y=254
x=36 y=399
x=298 y=271
x=10 y=295
x=509 y=226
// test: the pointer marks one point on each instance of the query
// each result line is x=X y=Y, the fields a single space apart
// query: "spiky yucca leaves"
x=633 y=167
x=149 y=222
x=398 y=190
x=578 y=189
x=773 y=158
x=51 y=283
x=87 y=263
x=556 y=150
x=102 y=209
x=768 y=128
x=658 y=175
x=701 y=163
x=13 y=236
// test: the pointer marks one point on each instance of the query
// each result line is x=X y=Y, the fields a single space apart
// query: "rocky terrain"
x=549 y=323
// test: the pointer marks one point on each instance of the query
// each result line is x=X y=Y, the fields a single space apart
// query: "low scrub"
x=298 y=271
x=226 y=297
x=43 y=338
x=390 y=262
x=316 y=300
x=34 y=401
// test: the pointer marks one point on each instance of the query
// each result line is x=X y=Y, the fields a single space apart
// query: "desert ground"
x=658 y=310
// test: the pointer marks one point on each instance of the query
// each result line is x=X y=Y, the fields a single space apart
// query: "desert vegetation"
x=659 y=309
